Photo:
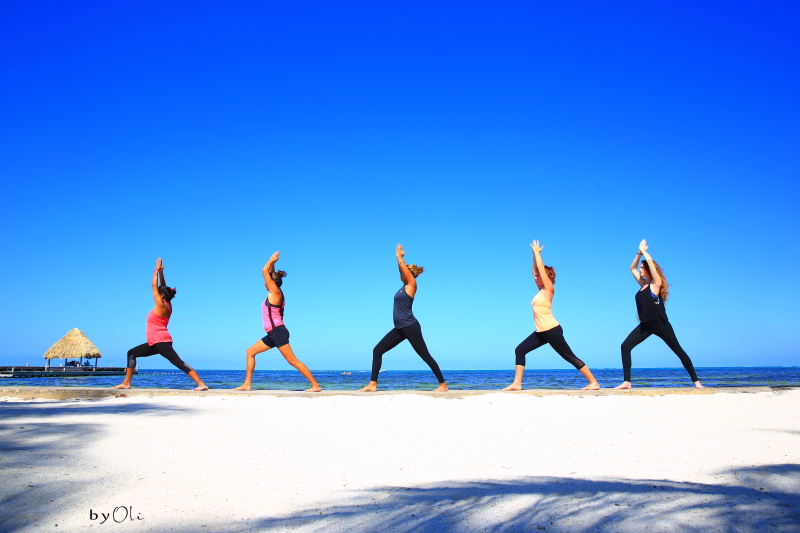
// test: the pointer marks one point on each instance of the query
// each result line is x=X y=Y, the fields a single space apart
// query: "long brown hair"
x=664 y=284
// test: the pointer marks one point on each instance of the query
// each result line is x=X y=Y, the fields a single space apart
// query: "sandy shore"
x=403 y=462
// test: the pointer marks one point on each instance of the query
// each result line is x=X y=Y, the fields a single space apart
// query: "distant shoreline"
x=424 y=380
x=527 y=369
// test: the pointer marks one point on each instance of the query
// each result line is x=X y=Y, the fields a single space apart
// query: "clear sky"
x=214 y=133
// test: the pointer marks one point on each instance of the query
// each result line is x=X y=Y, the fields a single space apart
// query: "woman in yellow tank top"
x=548 y=330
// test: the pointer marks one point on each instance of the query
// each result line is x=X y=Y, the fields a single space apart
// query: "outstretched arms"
x=655 y=282
x=538 y=266
x=272 y=287
x=405 y=274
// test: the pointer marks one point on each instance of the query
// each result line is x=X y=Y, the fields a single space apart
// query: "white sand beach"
x=496 y=462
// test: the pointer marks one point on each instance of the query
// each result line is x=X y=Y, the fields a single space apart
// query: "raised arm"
x=655 y=282
x=161 y=307
x=538 y=266
x=272 y=287
x=405 y=274
x=154 y=286
x=160 y=268
x=635 y=269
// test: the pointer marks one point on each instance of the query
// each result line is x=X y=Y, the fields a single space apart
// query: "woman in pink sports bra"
x=159 y=341
x=277 y=334
x=548 y=330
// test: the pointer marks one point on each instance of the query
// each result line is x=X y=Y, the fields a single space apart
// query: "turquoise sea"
x=424 y=379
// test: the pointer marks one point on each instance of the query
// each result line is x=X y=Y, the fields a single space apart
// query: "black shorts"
x=276 y=338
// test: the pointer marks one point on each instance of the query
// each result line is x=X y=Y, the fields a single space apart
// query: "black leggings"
x=664 y=331
x=554 y=337
x=163 y=348
x=414 y=335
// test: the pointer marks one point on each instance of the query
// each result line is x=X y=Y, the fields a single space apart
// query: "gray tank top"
x=402 y=314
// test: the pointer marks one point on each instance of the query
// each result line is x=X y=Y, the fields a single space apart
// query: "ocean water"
x=425 y=380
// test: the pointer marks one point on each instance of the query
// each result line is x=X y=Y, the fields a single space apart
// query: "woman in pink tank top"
x=277 y=335
x=159 y=341
x=548 y=330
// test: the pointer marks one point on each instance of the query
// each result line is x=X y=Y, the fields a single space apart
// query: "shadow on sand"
x=764 y=499
x=29 y=449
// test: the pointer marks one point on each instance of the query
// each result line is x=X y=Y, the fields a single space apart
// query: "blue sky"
x=213 y=134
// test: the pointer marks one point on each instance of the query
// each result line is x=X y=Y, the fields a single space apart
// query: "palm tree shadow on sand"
x=763 y=499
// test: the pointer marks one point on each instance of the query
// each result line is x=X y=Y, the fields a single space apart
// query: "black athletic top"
x=651 y=308
x=402 y=314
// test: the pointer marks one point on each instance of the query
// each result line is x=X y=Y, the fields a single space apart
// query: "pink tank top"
x=272 y=315
x=543 y=312
x=157 y=327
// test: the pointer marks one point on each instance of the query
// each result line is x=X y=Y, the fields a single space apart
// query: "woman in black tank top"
x=650 y=301
x=406 y=326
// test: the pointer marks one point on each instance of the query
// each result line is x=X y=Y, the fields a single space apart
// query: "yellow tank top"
x=543 y=312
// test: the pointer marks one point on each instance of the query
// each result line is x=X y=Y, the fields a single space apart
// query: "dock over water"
x=60 y=371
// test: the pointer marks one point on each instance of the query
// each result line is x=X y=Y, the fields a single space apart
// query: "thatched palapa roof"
x=73 y=345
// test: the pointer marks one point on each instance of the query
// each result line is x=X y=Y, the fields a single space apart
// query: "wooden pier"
x=60 y=371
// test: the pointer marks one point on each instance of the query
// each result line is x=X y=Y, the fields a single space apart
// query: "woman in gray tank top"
x=405 y=325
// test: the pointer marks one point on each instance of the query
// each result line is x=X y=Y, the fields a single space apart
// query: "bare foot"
x=698 y=385
x=314 y=389
x=372 y=387
x=513 y=386
x=122 y=385
x=625 y=385
x=201 y=388
x=442 y=388
x=244 y=387
x=592 y=386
